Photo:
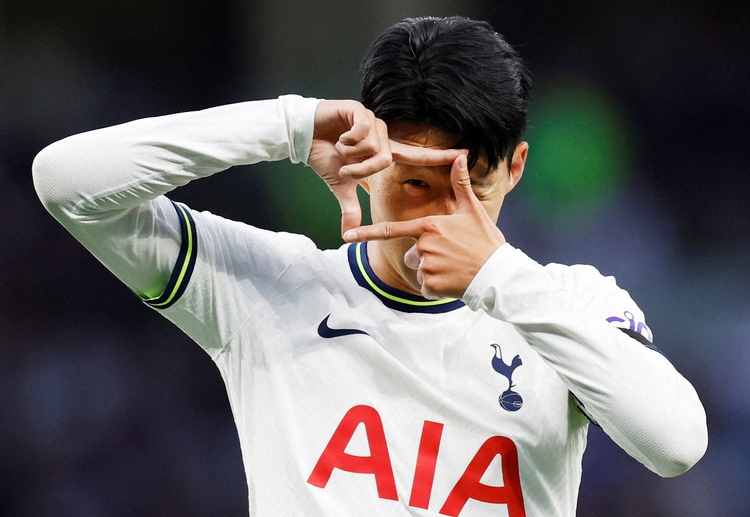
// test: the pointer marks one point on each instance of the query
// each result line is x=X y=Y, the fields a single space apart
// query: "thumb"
x=461 y=181
x=351 y=212
x=412 y=258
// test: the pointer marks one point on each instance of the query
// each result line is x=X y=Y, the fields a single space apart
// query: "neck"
x=387 y=262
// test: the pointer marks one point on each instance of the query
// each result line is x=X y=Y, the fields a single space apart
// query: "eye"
x=416 y=183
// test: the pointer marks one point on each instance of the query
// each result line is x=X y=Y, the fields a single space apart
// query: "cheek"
x=391 y=201
x=381 y=201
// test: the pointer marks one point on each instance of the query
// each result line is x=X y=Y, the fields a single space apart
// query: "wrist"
x=477 y=291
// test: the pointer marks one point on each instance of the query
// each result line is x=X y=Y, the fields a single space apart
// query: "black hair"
x=454 y=74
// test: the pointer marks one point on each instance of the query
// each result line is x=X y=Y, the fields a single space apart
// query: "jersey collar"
x=393 y=298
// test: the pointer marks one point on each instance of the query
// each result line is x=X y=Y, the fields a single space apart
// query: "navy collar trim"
x=391 y=297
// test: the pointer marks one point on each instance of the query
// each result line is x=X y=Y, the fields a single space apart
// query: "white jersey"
x=351 y=397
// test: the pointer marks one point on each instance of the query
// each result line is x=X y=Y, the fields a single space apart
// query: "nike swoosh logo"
x=327 y=332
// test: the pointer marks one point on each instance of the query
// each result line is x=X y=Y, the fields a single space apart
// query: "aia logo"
x=472 y=484
x=509 y=400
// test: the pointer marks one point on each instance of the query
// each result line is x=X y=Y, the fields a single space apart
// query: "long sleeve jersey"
x=351 y=397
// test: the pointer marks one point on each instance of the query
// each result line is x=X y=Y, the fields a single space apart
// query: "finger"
x=356 y=134
x=363 y=135
x=461 y=181
x=413 y=258
x=420 y=281
x=424 y=156
x=357 y=118
x=371 y=155
x=367 y=167
x=387 y=230
x=351 y=211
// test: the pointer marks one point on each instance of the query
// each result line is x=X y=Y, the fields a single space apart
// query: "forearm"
x=119 y=167
x=633 y=392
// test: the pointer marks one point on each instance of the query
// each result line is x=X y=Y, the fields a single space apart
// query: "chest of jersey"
x=443 y=412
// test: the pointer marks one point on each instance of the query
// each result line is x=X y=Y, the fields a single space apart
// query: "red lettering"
x=377 y=463
x=470 y=486
x=424 y=474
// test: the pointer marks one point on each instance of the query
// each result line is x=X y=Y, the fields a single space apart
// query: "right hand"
x=350 y=143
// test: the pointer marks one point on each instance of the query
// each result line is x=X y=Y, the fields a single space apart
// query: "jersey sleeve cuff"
x=299 y=113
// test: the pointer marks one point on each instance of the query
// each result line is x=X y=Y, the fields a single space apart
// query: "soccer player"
x=425 y=367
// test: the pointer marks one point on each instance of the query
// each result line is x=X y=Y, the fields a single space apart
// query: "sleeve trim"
x=184 y=265
x=640 y=338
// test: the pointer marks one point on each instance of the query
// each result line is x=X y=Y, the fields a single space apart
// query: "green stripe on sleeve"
x=184 y=265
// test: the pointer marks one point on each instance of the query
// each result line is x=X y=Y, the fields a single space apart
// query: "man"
x=426 y=367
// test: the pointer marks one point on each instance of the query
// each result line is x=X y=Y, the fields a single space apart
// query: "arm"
x=104 y=186
x=633 y=392
x=630 y=390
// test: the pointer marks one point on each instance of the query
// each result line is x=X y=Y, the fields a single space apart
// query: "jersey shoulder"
x=601 y=294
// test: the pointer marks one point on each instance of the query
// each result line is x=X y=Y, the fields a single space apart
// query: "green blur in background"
x=302 y=203
x=579 y=156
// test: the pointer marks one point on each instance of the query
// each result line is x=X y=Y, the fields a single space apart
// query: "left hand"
x=449 y=249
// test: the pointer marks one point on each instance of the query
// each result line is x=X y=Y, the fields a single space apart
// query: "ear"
x=517 y=165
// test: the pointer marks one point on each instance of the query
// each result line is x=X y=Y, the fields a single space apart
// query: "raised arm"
x=105 y=186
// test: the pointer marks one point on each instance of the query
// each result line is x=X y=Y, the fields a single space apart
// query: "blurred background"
x=639 y=131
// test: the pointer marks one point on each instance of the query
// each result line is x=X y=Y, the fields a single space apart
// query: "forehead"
x=423 y=136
